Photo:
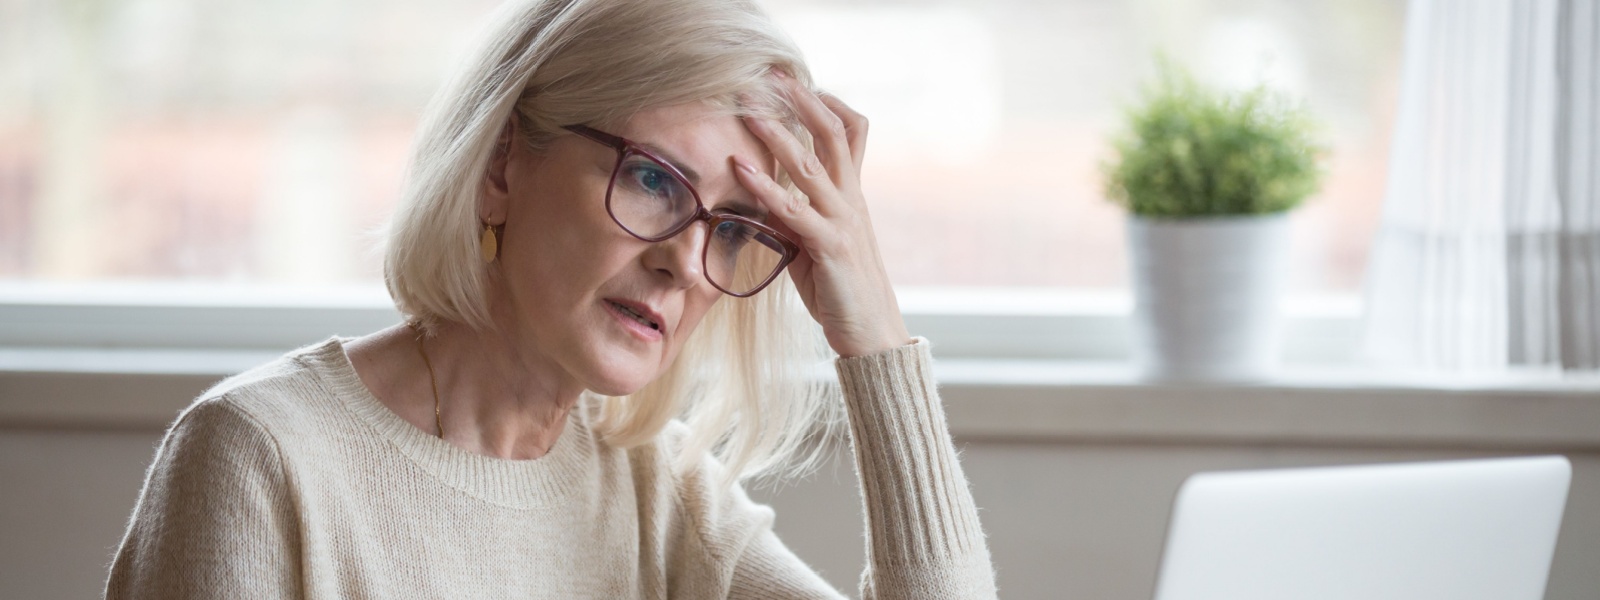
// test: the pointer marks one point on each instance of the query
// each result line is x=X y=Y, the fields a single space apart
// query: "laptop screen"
x=1457 y=530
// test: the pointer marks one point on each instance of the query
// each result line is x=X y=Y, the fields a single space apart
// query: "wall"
x=1076 y=509
x=1070 y=520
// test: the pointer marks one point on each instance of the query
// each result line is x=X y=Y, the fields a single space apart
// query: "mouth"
x=637 y=312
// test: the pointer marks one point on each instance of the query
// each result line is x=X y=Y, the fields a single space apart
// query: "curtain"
x=1488 y=254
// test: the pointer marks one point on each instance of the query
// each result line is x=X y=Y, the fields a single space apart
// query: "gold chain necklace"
x=438 y=421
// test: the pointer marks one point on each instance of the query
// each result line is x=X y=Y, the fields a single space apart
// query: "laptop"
x=1457 y=530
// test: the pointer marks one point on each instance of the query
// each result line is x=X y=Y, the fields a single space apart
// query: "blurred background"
x=196 y=146
x=234 y=141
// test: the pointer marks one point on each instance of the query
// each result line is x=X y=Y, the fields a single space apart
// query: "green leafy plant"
x=1190 y=151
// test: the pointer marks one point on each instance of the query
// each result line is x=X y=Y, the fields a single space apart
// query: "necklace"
x=438 y=421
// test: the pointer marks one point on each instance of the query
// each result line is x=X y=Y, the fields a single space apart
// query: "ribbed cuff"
x=918 y=507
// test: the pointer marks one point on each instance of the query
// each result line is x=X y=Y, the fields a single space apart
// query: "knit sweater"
x=292 y=480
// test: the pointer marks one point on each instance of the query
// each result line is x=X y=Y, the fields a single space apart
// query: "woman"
x=581 y=200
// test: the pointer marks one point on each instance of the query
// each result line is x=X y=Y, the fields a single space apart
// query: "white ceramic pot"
x=1206 y=296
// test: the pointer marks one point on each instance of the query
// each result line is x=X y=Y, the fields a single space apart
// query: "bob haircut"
x=747 y=382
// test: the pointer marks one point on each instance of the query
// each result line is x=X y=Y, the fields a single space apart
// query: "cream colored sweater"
x=292 y=481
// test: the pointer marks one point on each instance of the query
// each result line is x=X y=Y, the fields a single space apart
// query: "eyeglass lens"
x=649 y=200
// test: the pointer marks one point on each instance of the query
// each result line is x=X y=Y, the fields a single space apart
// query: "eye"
x=741 y=211
x=653 y=179
x=734 y=235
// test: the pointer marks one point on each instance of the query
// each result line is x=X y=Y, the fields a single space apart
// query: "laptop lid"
x=1458 y=530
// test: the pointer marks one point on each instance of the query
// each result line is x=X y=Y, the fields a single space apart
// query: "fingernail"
x=749 y=170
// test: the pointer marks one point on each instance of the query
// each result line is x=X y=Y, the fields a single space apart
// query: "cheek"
x=696 y=305
x=543 y=265
x=562 y=247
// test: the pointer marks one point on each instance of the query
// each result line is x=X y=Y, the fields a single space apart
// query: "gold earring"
x=488 y=246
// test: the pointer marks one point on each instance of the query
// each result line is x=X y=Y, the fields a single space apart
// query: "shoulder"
x=214 y=435
x=278 y=392
x=214 y=505
x=294 y=371
x=255 y=409
x=241 y=410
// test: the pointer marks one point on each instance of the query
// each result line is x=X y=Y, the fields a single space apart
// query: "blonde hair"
x=746 y=381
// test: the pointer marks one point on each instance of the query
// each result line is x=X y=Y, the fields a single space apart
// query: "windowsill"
x=1024 y=365
x=1088 y=402
x=994 y=399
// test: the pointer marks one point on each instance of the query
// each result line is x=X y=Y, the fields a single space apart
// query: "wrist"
x=885 y=342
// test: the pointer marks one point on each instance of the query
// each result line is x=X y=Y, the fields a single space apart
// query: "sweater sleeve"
x=768 y=570
x=736 y=535
x=214 y=519
x=923 y=536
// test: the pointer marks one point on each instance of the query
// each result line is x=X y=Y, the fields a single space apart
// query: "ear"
x=496 y=186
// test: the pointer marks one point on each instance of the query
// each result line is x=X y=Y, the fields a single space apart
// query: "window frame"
x=1026 y=365
x=966 y=323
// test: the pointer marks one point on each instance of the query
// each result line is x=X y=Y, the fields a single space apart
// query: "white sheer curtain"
x=1488 y=256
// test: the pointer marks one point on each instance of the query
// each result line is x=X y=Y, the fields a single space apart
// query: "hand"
x=839 y=272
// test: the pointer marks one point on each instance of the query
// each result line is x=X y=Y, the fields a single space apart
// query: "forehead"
x=697 y=137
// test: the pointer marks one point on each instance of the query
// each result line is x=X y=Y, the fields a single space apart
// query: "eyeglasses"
x=651 y=200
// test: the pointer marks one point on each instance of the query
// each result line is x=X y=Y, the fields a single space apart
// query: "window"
x=989 y=121
x=239 y=142
x=216 y=140
x=230 y=140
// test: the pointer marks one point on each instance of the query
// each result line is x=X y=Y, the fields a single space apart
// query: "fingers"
x=803 y=165
x=793 y=210
x=855 y=127
x=829 y=132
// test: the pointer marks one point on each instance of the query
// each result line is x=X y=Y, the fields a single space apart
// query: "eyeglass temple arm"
x=598 y=136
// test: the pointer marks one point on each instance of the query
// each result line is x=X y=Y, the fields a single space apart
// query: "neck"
x=498 y=398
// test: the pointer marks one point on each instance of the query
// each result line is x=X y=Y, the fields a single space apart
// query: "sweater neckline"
x=522 y=484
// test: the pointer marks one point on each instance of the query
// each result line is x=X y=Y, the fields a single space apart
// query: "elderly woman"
x=600 y=344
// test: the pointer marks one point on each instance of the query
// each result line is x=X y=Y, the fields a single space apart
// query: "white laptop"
x=1457 y=530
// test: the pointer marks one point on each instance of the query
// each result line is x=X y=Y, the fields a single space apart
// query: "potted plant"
x=1208 y=177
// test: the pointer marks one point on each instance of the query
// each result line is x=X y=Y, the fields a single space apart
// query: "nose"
x=678 y=257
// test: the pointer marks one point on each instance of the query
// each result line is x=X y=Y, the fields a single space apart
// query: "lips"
x=638 y=311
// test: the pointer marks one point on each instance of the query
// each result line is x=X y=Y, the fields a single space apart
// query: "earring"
x=488 y=246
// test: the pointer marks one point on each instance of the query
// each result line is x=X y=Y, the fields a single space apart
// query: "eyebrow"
x=745 y=207
x=694 y=178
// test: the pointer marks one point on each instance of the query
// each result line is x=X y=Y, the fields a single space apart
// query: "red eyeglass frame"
x=626 y=147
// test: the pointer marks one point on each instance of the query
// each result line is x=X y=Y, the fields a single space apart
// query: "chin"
x=616 y=389
x=622 y=374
